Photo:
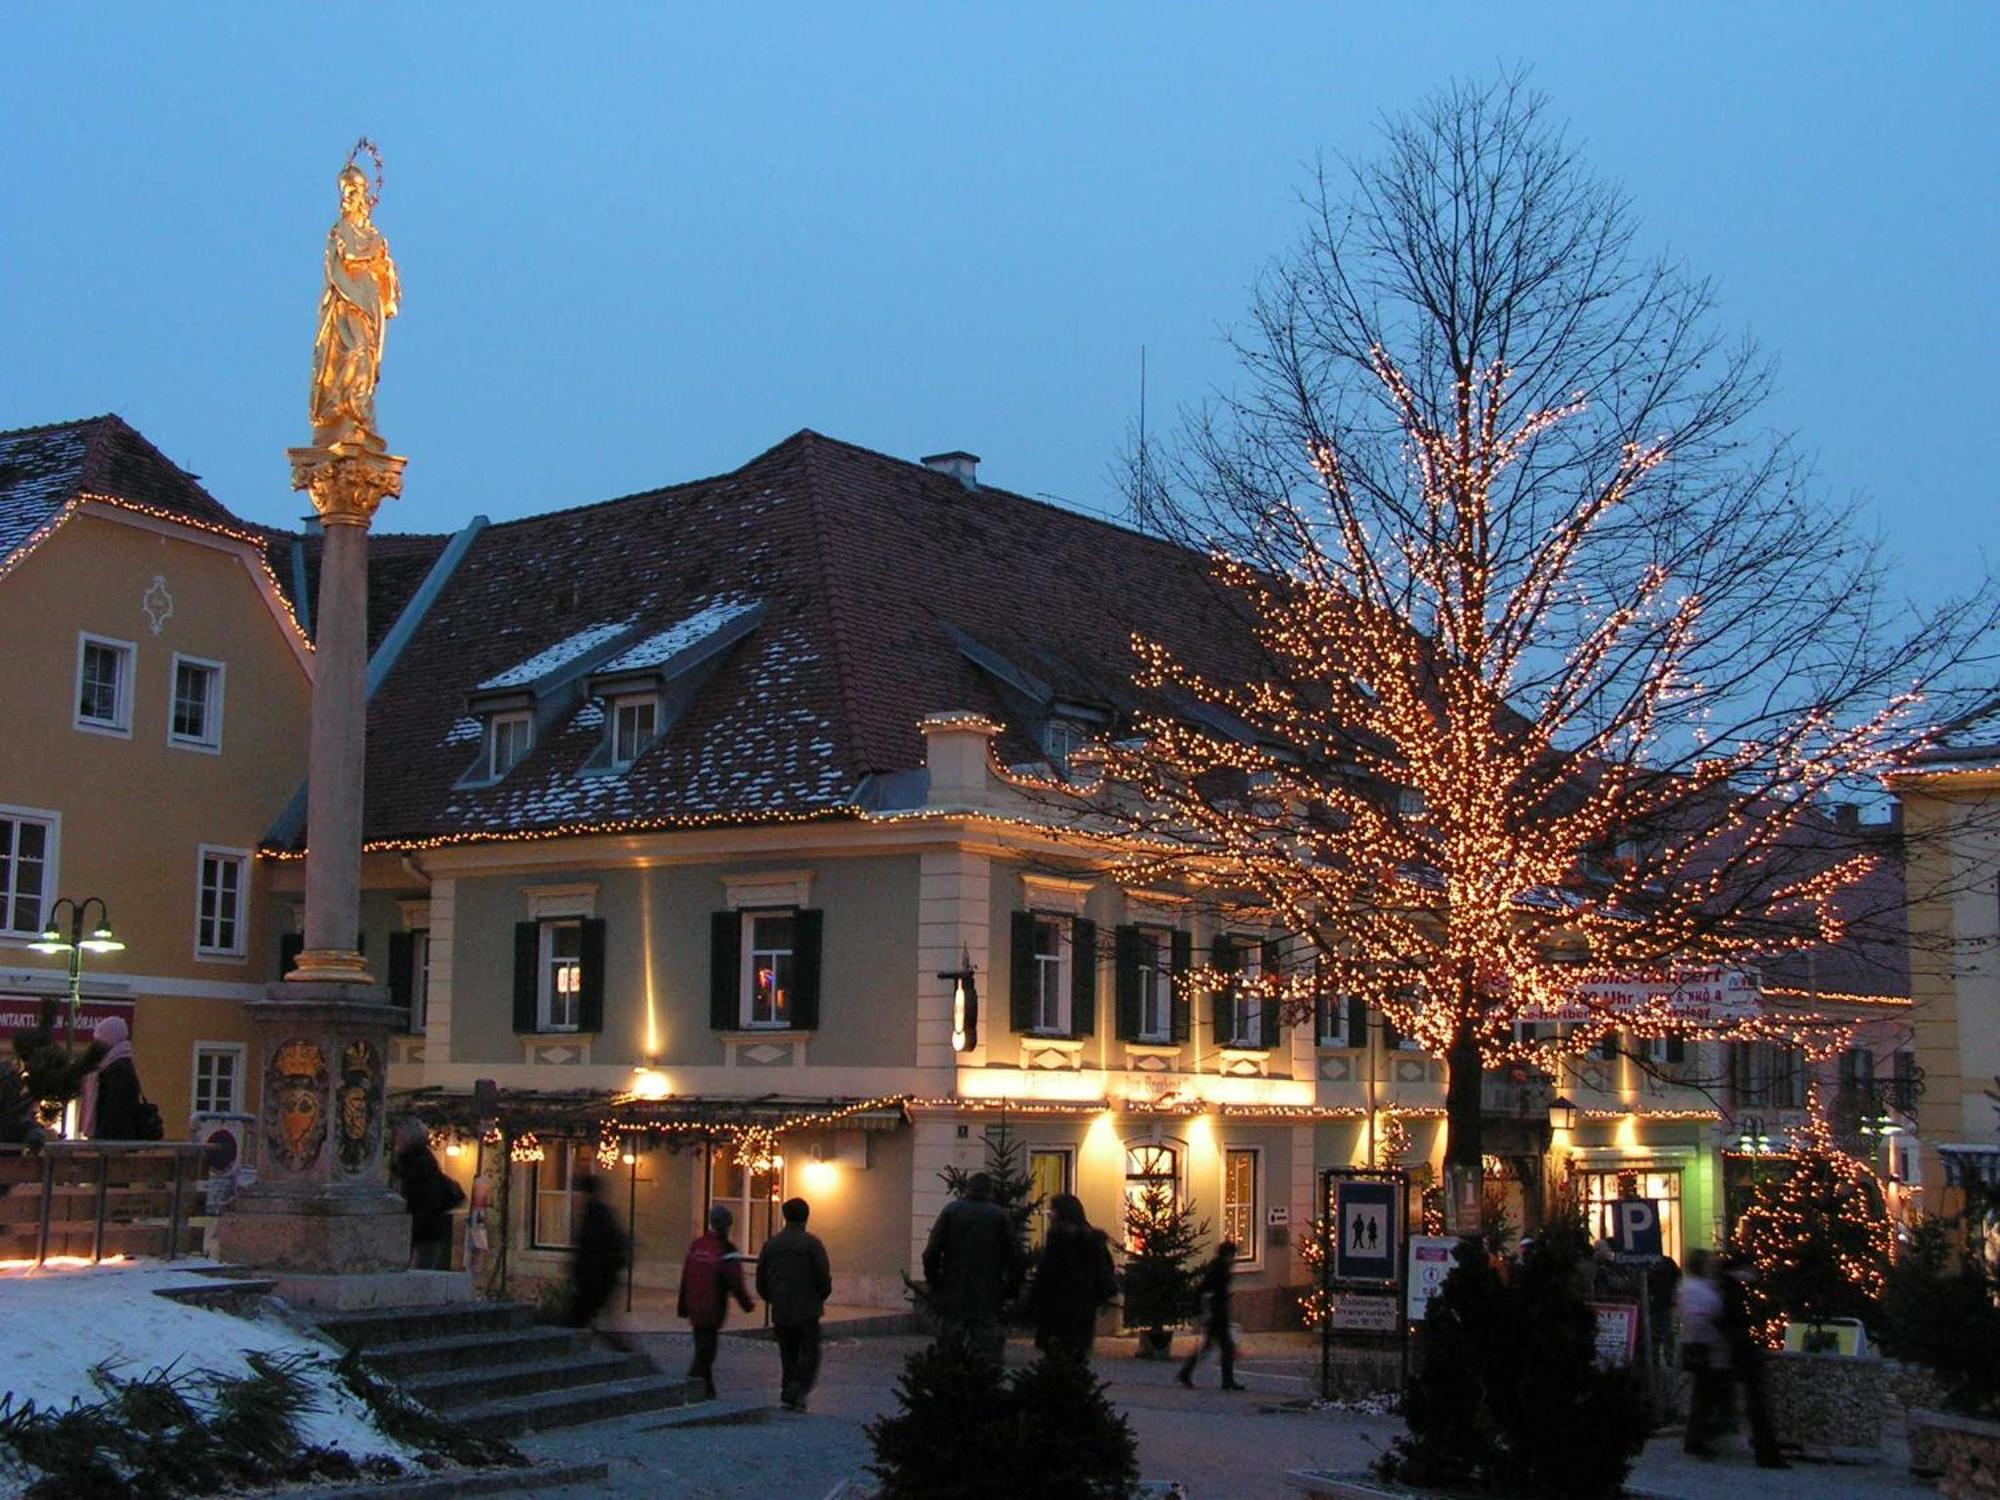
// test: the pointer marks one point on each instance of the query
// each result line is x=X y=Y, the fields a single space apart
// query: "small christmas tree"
x=54 y=1073
x=1013 y=1183
x=18 y=1126
x=1819 y=1238
x=1159 y=1281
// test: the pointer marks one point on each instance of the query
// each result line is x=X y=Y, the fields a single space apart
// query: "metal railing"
x=98 y=1187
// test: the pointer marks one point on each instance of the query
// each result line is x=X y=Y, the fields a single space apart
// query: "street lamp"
x=99 y=939
x=1562 y=1113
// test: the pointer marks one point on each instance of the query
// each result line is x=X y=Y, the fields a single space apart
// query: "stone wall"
x=1830 y=1405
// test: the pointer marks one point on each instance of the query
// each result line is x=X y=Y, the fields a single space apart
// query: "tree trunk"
x=1463 y=1072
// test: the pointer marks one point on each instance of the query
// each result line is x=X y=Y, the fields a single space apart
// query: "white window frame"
x=1053 y=1020
x=120 y=723
x=494 y=771
x=1250 y=1246
x=619 y=704
x=1246 y=1004
x=239 y=1057
x=1156 y=985
x=51 y=846
x=1173 y=1145
x=569 y=1155
x=547 y=984
x=746 y=989
x=237 y=951
x=210 y=741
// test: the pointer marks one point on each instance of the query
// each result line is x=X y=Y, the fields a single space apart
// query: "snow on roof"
x=553 y=658
x=663 y=646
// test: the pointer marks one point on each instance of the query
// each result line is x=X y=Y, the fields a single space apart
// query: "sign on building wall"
x=1366 y=1223
x=19 y=1013
x=1696 y=995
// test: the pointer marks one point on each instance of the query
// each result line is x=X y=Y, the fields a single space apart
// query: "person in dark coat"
x=1074 y=1278
x=429 y=1195
x=972 y=1266
x=1215 y=1325
x=109 y=1108
x=711 y=1276
x=1746 y=1358
x=794 y=1280
x=598 y=1257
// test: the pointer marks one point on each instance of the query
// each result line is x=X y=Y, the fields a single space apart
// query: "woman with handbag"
x=112 y=1107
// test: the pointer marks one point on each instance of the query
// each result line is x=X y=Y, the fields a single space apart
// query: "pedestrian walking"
x=1704 y=1355
x=794 y=1280
x=1746 y=1360
x=1216 y=1330
x=972 y=1265
x=599 y=1254
x=477 y=1238
x=428 y=1194
x=1073 y=1280
x=112 y=1108
x=711 y=1276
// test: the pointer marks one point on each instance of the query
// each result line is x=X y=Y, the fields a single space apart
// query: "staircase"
x=491 y=1367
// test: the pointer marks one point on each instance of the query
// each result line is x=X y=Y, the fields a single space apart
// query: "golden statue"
x=354 y=309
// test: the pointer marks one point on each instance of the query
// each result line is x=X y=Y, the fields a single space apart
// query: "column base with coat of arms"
x=321 y=1216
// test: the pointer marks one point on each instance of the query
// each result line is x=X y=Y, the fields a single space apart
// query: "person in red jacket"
x=711 y=1275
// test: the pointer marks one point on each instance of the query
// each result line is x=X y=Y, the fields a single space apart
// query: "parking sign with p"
x=1635 y=1228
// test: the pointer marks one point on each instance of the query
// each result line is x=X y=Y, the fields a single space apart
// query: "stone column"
x=321 y=1216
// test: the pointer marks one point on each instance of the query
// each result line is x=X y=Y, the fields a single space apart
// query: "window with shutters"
x=1052 y=983
x=1666 y=1051
x=561 y=976
x=1246 y=999
x=1156 y=984
x=768 y=946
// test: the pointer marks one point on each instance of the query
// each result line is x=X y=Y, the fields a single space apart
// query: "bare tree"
x=1560 y=655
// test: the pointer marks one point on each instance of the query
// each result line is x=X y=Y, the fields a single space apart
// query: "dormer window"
x=508 y=739
x=1062 y=738
x=634 y=720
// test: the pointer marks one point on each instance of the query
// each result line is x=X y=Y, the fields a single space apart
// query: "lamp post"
x=99 y=939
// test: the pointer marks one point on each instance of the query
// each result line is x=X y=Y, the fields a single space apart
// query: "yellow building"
x=157 y=690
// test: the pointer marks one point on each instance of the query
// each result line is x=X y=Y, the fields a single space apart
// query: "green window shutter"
x=1021 y=973
x=806 y=927
x=1271 y=958
x=1357 y=1021
x=402 y=968
x=1128 y=947
x=725 y=966
x=290 y=946
x=590 y=977
x=1222 y=1016
x=1183 y=946
x=1391 y=1037
x=1677 y=1049
x=1082 y=977
x=527 y=960
x=1608 y=1048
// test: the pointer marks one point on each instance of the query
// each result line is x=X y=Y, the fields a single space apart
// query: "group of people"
x=1719 y=1350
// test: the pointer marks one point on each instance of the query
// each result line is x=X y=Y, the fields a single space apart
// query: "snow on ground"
x=62 y=1320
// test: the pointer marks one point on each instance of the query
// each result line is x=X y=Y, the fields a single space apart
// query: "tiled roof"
x=398 y=563
x=870 y=571
x=42 y=469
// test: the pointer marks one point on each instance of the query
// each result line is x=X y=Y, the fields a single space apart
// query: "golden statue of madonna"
x=359 y=298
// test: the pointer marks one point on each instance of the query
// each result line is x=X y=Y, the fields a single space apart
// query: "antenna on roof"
x=1143 y=514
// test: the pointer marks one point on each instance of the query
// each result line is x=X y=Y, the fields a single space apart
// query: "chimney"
x=960 y=465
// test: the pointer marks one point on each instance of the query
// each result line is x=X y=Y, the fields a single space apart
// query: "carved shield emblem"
x=295 y=1105
x=360 y=1102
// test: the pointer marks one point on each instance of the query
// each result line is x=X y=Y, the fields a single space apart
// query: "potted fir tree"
x=1159 y=1279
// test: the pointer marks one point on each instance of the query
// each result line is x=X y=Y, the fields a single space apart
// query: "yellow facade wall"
x=135 y=810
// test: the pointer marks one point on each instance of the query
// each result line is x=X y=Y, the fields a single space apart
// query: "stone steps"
x=491 y=1368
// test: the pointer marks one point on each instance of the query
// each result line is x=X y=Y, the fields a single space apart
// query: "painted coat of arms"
x=295 y=1089
x=360 y=1102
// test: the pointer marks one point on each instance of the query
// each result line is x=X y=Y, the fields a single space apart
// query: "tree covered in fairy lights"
x=1820 y=1236
x=1557 y=654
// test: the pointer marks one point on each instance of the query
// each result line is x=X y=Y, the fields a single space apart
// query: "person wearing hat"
x=711 y=1275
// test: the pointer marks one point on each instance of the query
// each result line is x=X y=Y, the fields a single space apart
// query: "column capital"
x=346 y=481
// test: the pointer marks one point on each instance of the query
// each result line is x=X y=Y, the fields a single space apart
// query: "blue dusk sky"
x=641 y=244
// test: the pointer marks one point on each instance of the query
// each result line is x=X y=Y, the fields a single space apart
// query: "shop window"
x=1241 y=1171
x=751 y=1193
x=1149 y=1166
x=554 y=1182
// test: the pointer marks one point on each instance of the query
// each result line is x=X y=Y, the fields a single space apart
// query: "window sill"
x=1061 y=1040
x=111 y=731
x=746 y=1034
x=200 y=746
x=1153 y=1044
x=1246 y=1049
